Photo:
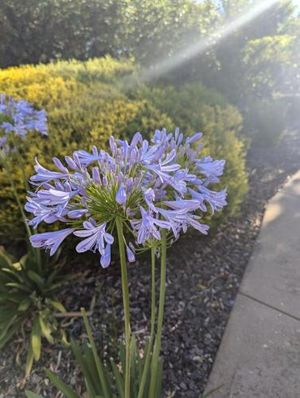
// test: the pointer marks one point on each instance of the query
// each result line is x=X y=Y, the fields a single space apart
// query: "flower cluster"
x=148 y=185
x=19 y=117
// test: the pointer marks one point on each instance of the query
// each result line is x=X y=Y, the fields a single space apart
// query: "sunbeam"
x=189 y=52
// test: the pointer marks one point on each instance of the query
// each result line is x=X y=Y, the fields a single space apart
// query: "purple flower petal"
x=121 y=195
x=130 y=254
x=50 y=240
x=106 y=257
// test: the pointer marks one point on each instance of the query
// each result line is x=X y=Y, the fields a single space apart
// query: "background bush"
x=87 y=102
x=35 y=31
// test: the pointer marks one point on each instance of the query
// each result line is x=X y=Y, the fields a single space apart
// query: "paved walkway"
x=259 y=356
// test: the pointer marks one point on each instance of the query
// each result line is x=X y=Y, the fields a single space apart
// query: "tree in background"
x=160 y=30
x=34 y=31
x=259 y=65
x=252 y=59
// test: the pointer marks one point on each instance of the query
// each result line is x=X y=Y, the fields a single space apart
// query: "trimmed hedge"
x=86 y=103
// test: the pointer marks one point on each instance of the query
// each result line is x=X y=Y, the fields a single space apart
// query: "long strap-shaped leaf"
x=5 y=261
x=87 y=367
x=119 y=379
x=99 y=365
x=9 y=334
x=30 y=394
x=36 y=338
x=61 y=386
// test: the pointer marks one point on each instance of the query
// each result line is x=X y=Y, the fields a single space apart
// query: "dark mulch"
x=204 y=274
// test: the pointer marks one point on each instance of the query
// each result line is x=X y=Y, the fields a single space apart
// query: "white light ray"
x=193 y=50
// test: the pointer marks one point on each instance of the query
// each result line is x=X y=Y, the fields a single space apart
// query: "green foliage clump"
x=28 y=302
x=193 y=107
x=106 y=380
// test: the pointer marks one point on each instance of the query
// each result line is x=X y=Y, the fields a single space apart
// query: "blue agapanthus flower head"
x=151 y=185
x=18 y=118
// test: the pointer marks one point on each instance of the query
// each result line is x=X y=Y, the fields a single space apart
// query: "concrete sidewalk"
x=259 y=356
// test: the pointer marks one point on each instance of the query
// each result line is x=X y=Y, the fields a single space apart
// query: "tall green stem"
x=153 y=298
x=152 y=330
x=160 y=318
x=125 y=293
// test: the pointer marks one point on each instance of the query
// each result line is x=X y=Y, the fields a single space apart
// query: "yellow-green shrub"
x=86 y=102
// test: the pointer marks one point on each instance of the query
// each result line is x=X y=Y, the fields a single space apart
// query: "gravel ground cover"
x=204 y=274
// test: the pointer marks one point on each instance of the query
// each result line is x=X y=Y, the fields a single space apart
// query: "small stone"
x=183 y=386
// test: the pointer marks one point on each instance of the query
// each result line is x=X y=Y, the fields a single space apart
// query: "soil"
x=204 y=274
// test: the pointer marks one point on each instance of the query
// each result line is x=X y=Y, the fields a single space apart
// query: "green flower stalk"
x=119 y=225
x=162 y=297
